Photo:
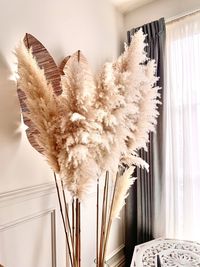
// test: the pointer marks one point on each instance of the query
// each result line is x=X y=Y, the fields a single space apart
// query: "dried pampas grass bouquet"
x=86 y=126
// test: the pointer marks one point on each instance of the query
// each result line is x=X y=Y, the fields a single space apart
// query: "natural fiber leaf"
x=45 y=62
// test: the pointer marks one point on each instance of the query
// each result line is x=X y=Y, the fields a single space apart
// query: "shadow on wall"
x=9 y=105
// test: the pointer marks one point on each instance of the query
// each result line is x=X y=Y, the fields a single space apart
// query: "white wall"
x=63 y=26
x=156 y=10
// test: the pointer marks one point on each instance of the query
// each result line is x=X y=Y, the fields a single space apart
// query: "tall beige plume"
x=124 y=182
x=42 y=107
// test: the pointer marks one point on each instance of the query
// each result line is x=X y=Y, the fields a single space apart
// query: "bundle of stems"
x=71 y=224
x=110 y=209
x=111 y=205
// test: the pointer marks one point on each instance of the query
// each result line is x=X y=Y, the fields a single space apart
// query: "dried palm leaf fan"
x=86 y=125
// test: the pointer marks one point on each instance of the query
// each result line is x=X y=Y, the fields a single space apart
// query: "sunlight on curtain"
x=182 y=163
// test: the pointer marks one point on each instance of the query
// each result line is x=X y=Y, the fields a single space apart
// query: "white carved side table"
x=172 y=253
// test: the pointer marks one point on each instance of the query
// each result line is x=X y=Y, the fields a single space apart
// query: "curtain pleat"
x=143 y=203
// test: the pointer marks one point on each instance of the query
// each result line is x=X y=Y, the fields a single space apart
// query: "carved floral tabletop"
x=172 y=253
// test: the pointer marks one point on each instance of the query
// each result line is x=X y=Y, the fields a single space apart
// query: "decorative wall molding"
x=117 y=257
x=27 y=219
x=35 y=191
x=20 y=195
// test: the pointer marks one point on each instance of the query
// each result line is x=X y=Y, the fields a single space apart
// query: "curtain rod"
x=182 y=15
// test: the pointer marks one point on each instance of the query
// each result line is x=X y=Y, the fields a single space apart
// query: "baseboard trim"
x=117 y=257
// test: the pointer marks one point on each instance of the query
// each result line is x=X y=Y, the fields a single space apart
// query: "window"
x=182 y=162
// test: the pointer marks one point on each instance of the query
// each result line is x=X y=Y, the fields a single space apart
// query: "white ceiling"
x=128 y=5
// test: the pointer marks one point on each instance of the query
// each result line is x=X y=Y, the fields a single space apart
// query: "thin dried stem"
x=66 y=209
x=68 y=224
x=79 y=230
x=103 y=220
x=105 y=210
x=97 y=225
x=108 y=227
x=73 y=223
x=63 y=219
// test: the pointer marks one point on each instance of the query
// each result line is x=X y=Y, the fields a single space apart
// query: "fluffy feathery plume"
x=42 y=108
x=78 y=84
x=147 y=109
x=123 y=183
x=78 y=167
x=91 y=126
x=108 y=103
x=127 y=105
x=141 y=91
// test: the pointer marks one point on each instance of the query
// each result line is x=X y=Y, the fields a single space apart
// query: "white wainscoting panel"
x=31 y=233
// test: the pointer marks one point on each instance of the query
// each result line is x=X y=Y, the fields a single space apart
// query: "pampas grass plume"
x=124 y=182
x=96 y=123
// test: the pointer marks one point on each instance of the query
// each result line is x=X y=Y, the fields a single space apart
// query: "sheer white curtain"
x=182 y=162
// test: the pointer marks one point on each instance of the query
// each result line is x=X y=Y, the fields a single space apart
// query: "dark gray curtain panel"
x=145 y=196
